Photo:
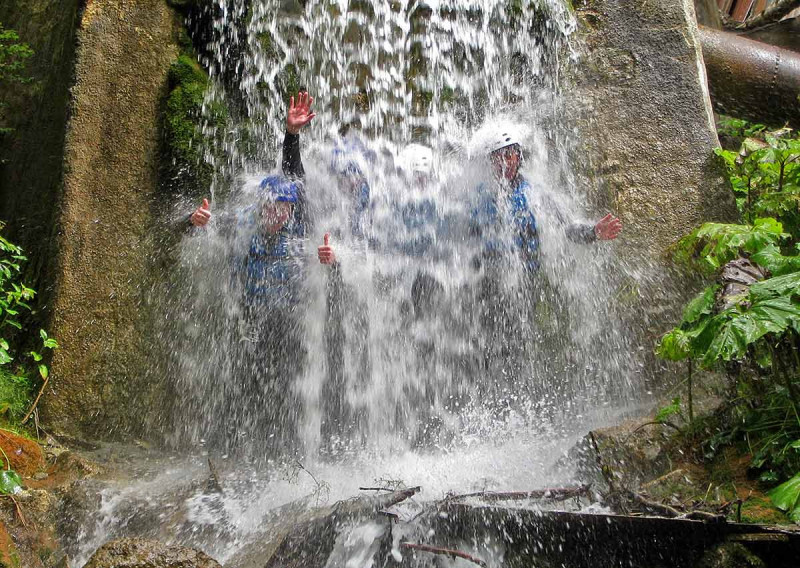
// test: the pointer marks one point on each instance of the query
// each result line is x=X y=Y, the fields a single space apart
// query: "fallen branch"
x=654 y=507
x=321 y=486
x=35 y=402
x=394 y=516
x=376 y=489
x=665 y=423
x=604 y=469
x=703 y=516
x=555 y=493
x=399 y=496
x=443 y=551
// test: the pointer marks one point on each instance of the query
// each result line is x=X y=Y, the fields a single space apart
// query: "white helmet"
x=501 y=138
x=416 y=158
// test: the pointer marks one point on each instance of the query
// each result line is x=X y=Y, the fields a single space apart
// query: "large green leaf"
x=770 y=257
x=702 y=304
x=786 y=497
x=729 y=343
x=674 y=345
x=777 y=286
x=774 y=315
x=10 y=482
x=713 y=244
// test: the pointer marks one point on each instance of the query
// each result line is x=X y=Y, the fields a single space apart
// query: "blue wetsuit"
x=487 y=222
x=274 y=270
x=489 y=218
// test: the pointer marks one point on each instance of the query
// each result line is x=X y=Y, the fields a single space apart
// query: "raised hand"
x=325 y=252
x=608 y=228
x=201 y=215
x=299 y=114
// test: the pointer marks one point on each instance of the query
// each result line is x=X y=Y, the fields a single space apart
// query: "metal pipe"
x=752 y=80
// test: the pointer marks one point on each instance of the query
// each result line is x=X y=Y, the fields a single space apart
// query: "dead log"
x=444 y=551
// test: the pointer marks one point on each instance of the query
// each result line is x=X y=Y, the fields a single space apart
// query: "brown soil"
x=9 y=557
x=25 y=456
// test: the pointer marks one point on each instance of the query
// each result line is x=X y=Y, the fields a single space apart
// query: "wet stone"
x=140 y=553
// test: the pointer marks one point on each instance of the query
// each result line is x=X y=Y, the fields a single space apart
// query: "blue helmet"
x=278 y=188
x=348 y=156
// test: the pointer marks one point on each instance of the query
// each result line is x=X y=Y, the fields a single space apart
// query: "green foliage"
x=765 y=176
x=672 y=409
x=10 y=482
x=16 y=378
x=186 y=144
x=13 y=58
x=711 y=245
x=751 y=332
x=737 y=128
x=786 y=496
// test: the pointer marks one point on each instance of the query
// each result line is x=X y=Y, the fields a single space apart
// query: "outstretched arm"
x=299 y=115
x=606 y=229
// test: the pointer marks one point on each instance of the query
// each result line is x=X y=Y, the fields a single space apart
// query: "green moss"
x=186 y=168
x=15 y=395
x=761 y=511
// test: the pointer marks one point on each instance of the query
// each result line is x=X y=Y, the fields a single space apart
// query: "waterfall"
x=385 y=75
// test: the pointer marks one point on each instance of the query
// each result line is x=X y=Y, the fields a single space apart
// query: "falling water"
x=504 y=370
x=386 y=75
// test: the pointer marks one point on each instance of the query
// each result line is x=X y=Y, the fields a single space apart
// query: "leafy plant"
x=786 y=496
x=16 y=380
x=749 y=328
x=10 y=481
x=13 y=57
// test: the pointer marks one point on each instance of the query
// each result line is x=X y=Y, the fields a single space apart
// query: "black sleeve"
x=581 y=233
x=292 y=164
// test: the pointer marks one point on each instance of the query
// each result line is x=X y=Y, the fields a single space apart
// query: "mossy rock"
x=760 y=510
x=185 y=145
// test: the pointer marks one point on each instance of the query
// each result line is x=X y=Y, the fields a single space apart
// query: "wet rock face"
x=638 y=99
x=111 y=159
x=140 y=553
x=642 y=107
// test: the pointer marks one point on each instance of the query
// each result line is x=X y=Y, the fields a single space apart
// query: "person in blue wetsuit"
x=504 y=220
x=271 y=354
x=347 y=318
x=425 y=229
x=507 y=233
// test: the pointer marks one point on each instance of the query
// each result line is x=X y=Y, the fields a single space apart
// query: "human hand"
x=325 y=252
x=608 y=228
x=299 y=114
x=201 y=215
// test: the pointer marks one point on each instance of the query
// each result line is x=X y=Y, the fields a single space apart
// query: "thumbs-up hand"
x=325 y=252
x=201 y=215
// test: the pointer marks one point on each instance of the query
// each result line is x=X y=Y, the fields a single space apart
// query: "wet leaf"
x=674 y=346
x=10 y=482
x=786 y=497
x=777 y=286
x=702 y=304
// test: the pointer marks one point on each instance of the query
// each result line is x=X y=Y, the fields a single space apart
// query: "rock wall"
x=111 y=160
x=639 y=98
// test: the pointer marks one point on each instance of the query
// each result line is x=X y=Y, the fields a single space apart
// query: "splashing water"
x=420 y=362
x=381 y=373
